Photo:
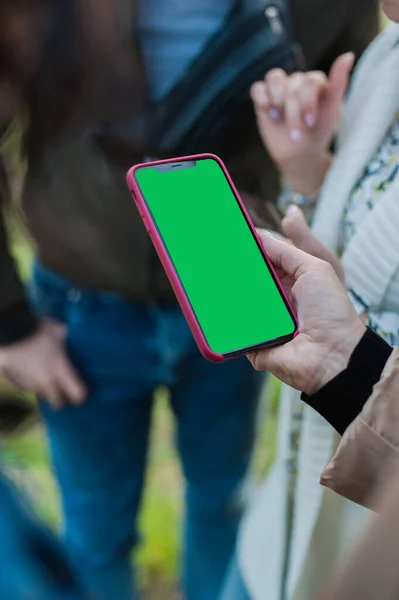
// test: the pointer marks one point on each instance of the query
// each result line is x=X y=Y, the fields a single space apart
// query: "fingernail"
x=351 y=56
x=292 y=210
x=268 y=233
x=275 y=114
x=310 y=119
x=295 y=135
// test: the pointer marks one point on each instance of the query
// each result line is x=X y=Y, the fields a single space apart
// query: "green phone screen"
x=220 y=266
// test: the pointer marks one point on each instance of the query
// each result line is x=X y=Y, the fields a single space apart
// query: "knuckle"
x=317 y=76
x=47 y=381
x=275 y=79
x=257 y=362
x=258 y=86
x=275 y=74
x=296 y=80
x=310 y=84
x=327 y=267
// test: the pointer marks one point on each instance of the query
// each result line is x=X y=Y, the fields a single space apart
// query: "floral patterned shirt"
x=369 y=190
x=377 y=177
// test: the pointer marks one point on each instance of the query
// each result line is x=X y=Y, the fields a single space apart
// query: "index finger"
x=288 y=258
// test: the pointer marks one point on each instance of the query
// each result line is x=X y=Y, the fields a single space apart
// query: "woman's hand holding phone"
x=298 y=116
x=329 y=328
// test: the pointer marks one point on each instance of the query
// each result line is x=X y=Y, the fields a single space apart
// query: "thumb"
x=298 y=231
x=288 y=258
x=296 y=228
x=70 y=383
x=339 y=76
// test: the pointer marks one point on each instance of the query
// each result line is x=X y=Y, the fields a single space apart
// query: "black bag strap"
x=167 y=120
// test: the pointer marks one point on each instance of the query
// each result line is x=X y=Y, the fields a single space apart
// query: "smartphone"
x=211 y=252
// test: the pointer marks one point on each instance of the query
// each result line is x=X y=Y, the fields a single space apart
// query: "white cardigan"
x=323 y=523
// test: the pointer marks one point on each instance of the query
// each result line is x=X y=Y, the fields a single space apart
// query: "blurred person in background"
x=304 y=529
x=105 y=330
x=33 y=564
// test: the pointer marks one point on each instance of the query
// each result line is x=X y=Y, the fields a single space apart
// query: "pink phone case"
x=167 y=264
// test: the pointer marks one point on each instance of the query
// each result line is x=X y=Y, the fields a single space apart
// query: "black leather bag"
x=206 y=103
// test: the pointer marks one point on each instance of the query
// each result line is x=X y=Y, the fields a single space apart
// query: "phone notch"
x=175 y=166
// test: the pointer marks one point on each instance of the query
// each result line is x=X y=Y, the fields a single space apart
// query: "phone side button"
x=137 y=202
x=146 y=225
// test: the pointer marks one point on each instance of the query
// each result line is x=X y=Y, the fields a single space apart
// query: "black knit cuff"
x=16 y=322
x=343 y=398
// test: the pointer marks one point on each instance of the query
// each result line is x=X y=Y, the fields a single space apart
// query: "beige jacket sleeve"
x=372 y=573
x=370 y=445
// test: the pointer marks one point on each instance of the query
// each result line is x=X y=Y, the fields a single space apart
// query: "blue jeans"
x=123 y=351
x=234 y=587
